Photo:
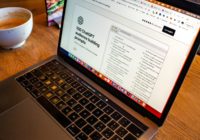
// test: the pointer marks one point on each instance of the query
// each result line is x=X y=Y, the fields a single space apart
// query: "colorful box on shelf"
x=54 y=11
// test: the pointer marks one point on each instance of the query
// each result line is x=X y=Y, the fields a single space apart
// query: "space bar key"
x=54 y=112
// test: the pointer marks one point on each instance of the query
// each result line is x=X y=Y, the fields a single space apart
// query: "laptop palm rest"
x=27 y=121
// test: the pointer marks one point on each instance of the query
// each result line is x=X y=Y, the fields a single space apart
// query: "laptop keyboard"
x=84 y=112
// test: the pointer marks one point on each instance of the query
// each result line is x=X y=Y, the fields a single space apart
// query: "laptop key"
x=77 y=96
x=73 y=130
x=116 y=116
x=47 y=82
x=54 y=100
x=124 y=122
x=105 y=118
x=71 y=102
x=83 y=101
x=64 y=76
x=71 y=91
x=92 y=120
x=73 y=116
x=108 y=110
x=121 y=132
x=48 y=95
x=54 y=112
x=65 y=97
x=43 y=78
x=80 y=122
x=60 y=81
x=59 y=92
x=78 y=108
x=99 y=126
x=53 y=87
x=113 y=125
x=49 y=73
x=43 y=89
x=25 y=83
x=38 y=85
x=85 y=114
x=67 y=110
x=35 y=93
x=130 y=137
x=107 y=133
x=34 y=80
x=94 y=99
x=54 y=77
x=60 y=105
x=115 y=137
x=75 y=84
x=95 y=136
x=88 y=129
x=81 y=89
x=97 y=112
x=81 y=136
x=29 y=88
x=69 y=80
x=88 y=94
x=65 y=86
x=90 y=107
x=135 y=130
x=101 y=104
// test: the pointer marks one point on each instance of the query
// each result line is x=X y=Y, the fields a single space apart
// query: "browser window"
x=136 y=46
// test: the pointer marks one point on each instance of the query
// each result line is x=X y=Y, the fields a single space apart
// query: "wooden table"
x=183 y=121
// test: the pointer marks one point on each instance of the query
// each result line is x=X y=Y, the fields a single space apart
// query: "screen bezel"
x=185 y=5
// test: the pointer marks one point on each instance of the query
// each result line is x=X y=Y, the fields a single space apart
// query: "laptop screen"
x=138 y=47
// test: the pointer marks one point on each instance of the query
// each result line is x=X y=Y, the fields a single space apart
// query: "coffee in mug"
x=11 y=22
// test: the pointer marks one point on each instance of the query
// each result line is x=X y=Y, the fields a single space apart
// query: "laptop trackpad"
x=27 y=121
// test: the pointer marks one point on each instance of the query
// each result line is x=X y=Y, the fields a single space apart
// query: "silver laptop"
x=119 y=67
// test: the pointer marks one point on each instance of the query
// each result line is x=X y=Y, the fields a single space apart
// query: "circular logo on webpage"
x=80 y=20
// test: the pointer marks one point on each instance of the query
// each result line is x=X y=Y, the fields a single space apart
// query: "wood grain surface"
x=41 y=44
x=183 y=121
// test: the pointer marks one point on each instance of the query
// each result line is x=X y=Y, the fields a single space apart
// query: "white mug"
x=15 y=26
